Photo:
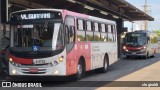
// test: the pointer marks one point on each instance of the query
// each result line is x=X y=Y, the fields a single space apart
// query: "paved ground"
x=123 y=73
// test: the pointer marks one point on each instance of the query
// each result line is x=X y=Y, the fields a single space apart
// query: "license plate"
x=39 y=62
x=134 y=53
x=33 y=70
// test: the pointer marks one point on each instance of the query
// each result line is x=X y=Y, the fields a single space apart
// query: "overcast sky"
x=154 y=7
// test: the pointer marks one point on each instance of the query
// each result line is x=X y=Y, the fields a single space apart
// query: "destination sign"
x=35 y=16
x=136 y=35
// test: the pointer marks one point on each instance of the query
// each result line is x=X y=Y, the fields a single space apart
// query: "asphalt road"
x=123 y=72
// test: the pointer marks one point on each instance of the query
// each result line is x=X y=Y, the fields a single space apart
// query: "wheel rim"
x=79 y=69
x=105 y=64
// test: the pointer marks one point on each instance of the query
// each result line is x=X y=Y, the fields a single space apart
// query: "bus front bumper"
x=134 y=53
x=58 y=70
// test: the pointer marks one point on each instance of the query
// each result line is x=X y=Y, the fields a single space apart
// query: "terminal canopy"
x=112 y=9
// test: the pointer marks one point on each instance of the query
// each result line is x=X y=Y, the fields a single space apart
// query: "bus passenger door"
x=70 y=46
x=70 y=37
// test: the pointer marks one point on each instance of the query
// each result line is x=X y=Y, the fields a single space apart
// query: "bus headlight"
x=60 y=59
x=50 y=64
x=144 y=47
x=143 y=50
x=124 y=47
x=14 y=63
x=13 y=71
x=10 y=59
x=56 y=72
x=56 y=62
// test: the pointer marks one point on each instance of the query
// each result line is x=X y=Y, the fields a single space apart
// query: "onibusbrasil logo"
x=19 y=84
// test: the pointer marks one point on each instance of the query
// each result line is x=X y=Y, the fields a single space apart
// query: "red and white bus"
x=140 y=43
x=52 y=42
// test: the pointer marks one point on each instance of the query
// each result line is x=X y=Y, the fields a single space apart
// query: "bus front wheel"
x=147 y=55
x=80 y=70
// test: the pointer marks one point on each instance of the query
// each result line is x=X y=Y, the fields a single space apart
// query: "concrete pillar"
x=120 y=26
x=0 y=13
x=3 y=20
x=0 y=26
x=4 y=11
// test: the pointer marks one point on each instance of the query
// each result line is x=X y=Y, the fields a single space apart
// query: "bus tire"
x=105 y=67
x=147 y=55
x=80 y=70
x=154 y=54
x=127 y=57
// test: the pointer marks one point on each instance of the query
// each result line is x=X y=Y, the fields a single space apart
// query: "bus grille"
x=34 y=72
x=39 y=71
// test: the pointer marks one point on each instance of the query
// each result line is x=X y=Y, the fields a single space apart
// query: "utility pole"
x=132 y=26
x=145 y=22
x=145 y=10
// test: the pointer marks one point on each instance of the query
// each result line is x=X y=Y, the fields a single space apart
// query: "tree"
x=157 y=32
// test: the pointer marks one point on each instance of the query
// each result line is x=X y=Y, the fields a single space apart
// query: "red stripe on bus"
x=154 y=48
x=134 y=48
x=21 y=60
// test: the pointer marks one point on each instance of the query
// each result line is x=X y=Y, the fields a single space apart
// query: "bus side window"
x=89 y=31
x=70 y=29
x=81 y=30
x=70 y=34
x=103 y=33
x=67 y=34
x=113 y=32
x=110 y=34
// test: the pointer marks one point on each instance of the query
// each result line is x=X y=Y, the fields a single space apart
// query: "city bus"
x=55 y=42
x=140 y=43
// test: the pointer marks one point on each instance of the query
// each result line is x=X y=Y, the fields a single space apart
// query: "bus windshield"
x=136 y=39
x=46 y=36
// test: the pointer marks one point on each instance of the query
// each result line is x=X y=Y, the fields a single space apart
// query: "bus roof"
x=40 y=9
x=143 y=31
x=89 y=17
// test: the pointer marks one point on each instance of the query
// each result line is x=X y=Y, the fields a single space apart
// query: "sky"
x=154 y=7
